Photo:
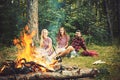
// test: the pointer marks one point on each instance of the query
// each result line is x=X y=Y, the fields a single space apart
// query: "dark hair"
x=59 y=34
x=78 y=31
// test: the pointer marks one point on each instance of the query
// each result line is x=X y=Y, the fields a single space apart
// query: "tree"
x=113 y=16
x=8 y=15
x=32 y=16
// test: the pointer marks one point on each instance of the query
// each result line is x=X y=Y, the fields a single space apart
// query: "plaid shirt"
x=77 y=43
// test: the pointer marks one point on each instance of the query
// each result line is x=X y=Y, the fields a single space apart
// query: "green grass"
x=106 y=53
x=86 y=61
x=7 y=53
x=81 y=61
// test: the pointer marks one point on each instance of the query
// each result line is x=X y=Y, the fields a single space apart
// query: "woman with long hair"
x=62 y=38
x=46 y=42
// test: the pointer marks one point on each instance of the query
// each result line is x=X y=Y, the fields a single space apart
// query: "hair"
x=41 y=37
x=59 y=34
x=78 y=30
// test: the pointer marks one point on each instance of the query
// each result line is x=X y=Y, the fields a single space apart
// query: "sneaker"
x=73 y=54
x=59 y=59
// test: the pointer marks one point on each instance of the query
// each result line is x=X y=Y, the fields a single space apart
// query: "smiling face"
x=62 y=31
x=78 y=34
x=26 y=28
x=45 y=33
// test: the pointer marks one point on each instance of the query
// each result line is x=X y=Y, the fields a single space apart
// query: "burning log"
x=33 y=71
x=10 y=67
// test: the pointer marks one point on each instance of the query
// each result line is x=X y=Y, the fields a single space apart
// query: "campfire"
x=30 y=65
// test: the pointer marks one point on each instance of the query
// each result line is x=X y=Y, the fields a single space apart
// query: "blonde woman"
x=46 y=42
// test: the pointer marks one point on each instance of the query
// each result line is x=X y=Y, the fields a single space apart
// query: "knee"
x=70 y=48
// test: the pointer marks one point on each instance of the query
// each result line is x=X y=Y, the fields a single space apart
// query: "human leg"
x=65 y=52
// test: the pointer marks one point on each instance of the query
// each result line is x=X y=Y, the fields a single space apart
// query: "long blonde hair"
x=42 y=37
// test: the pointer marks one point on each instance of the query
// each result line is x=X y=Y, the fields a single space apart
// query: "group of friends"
x=63 y=47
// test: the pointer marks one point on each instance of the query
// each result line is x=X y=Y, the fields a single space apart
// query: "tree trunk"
x=32 y=16
x=108 y=18
x=118 y=22
x=115 y=15
x=114 y=18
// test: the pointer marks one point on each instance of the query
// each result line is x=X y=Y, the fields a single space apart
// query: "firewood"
x=73 y=74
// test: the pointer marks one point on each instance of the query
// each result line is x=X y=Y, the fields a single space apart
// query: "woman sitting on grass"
x=62 y=40
x=46 y=42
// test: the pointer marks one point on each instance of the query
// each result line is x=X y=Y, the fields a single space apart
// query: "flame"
x=43 y=69
x=27 y=51
x=26 y=44
x=2 y=68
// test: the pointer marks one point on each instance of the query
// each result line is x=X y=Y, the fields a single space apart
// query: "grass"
x=81 y=61
x=7 y=53
x=109 y=70
x=86 y=61
x=106 y=53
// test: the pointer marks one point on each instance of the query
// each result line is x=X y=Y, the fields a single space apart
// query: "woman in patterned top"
x=46 y=42
x=62 y=40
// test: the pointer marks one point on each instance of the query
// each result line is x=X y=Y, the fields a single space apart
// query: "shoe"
x=73 y=54
x=59 y=59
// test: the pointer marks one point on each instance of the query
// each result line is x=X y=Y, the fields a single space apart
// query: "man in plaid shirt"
x=78 y=42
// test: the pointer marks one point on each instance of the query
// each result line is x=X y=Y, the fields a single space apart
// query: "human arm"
x=49 y=45
x=67 y=41
x=83 y=44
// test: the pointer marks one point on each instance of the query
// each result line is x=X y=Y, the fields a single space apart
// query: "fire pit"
x=34 y=71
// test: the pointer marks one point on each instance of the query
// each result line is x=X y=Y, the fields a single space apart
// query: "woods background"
x=98 y=20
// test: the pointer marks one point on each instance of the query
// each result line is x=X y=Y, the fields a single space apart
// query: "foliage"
x=114 y=65
x=12 y=20
x=87 y=15
x=7 y=53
